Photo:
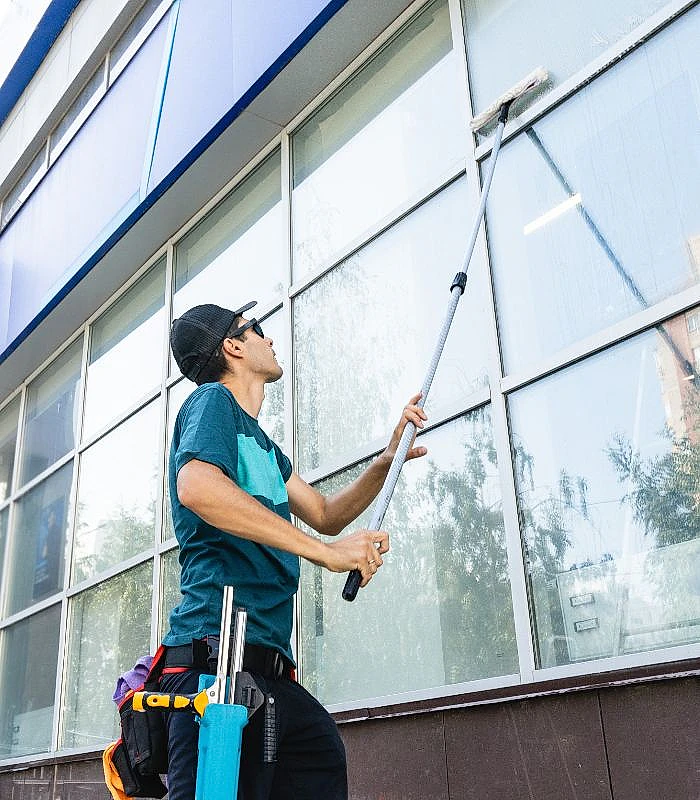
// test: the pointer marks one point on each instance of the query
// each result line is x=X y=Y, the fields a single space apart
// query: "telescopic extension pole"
x=502 y=108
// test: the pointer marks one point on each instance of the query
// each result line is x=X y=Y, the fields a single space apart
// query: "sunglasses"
x=251 y=324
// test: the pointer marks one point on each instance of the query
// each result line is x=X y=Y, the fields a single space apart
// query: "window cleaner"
x=500 y=109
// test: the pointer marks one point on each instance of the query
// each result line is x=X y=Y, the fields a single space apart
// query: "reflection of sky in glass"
x=126 y=352
x=444 y=584
x=249 y=269
x=633 y=399
x=365 y=333
x=631 y=241
x=563 y=37
x=51 y=416
x=116 y=495
x=237 y=253
x=412 y=139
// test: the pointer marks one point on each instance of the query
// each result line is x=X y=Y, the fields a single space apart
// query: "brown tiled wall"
x=77 y=780
x=637 y=742
x=626 y=743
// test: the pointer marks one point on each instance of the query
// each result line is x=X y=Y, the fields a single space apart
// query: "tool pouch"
x=141 y=755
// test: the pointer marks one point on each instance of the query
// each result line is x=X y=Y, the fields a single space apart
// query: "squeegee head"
x=527 y=84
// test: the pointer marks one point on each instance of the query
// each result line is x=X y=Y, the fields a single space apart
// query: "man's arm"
x=330 y=515
x=206 y=491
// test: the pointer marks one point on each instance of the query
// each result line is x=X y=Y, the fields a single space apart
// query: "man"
x=232 y=490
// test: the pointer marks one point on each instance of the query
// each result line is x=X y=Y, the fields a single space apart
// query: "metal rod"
x=354 y=579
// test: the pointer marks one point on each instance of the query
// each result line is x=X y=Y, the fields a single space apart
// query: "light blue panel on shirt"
x=258 y=472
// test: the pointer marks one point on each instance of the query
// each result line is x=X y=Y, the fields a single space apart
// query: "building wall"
x=77 y=48
x=616 y=743
x=552 y=532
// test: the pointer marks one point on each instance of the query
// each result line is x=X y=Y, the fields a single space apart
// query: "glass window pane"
x=28 y=683
x=176 y=397
x=130 y=34
x=4 y=514
x=126 y=351
x=170 y=581
x=117 y=495
x=386 y=137
x=365 y=333
x=8 y=439
x=237 y=253
x=592 y=216
x=36 y=563
x=563 y=37
x=608 y=468
x=109 y=631
x=51 y=417
x=444 y=584
x=24 y=187
x=58 y=135
x=271 y=417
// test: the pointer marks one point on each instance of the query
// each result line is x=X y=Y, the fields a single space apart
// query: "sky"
x=18 y=18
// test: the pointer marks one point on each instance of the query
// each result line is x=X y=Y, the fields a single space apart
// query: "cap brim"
x=245 y=308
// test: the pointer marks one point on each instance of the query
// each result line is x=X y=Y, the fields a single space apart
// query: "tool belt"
x=202 y=654
x=136 y=760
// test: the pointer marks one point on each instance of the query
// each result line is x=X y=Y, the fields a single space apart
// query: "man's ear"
x=232 y=348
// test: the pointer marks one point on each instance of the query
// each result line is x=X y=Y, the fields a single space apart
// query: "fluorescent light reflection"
x=553 y=213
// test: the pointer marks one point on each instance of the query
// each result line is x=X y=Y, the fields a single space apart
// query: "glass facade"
x=555 y=520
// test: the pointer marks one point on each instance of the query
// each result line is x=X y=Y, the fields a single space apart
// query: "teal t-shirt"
x=212 y=427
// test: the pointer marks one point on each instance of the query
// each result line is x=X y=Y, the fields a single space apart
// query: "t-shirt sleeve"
x=283 y=463
x=209 y=433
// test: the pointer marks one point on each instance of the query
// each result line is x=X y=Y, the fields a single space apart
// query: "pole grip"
x=195 y=703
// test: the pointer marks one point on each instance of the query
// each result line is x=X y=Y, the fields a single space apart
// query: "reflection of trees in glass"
x=123 y=533
x=663 y=491
x=110 y=631
x=471 y=561
x=329 y=334
x=272 y=413
x=440 y=610
x=652 y=591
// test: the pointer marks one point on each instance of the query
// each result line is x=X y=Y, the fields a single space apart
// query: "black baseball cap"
x=196 y=335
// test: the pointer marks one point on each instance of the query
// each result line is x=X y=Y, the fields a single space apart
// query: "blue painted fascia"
x=158 y=191
x=33 y=54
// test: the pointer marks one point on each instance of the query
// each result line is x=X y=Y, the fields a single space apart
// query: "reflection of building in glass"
x=679 y=373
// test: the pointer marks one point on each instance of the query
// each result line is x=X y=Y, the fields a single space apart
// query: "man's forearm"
x=347 y=504
x=207 y=492
x=212 y=496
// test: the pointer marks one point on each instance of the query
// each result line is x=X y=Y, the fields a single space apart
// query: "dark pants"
x=310 y=754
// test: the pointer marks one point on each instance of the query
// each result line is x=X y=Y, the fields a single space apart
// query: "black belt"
x=203 y=653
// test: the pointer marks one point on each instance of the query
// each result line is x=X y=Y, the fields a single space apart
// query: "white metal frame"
x=495 y=398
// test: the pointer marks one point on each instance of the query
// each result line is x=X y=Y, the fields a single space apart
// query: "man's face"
x=260 y=357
